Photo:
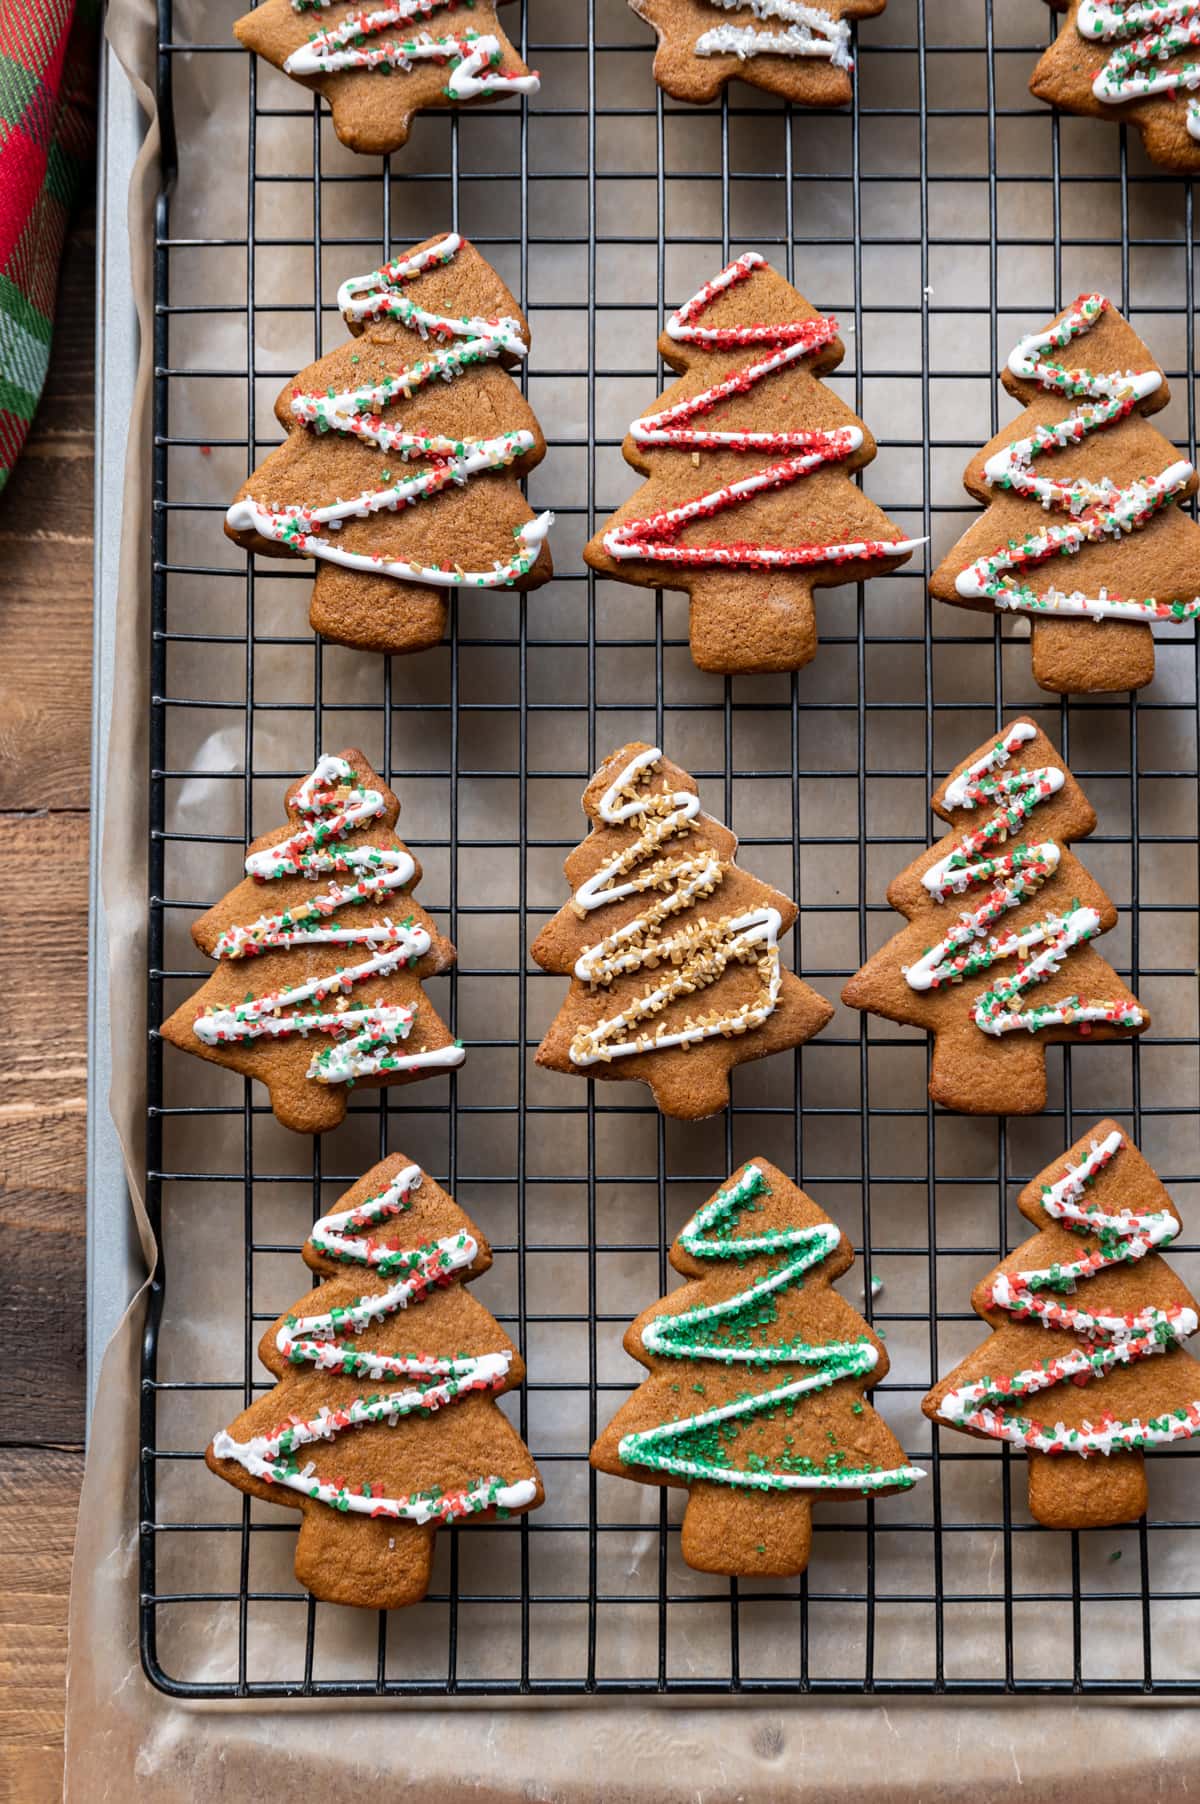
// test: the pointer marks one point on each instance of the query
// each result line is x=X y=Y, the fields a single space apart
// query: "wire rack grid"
x=938 y=216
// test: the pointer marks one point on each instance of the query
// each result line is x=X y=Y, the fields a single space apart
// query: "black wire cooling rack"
x=939 y=216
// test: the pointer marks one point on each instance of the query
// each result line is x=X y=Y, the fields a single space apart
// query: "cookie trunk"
x=976 y=1075
x=368 y=1562
x=747 y=1533
x=378 y=614
x=1068 y=1492
x=687 y=1086
x=752 y=620
x=1085 y=657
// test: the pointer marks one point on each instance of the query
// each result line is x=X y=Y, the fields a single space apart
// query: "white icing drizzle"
x=326 y=1341
x=380 y=295
x=472 y=58
x=1116 y=1340
x=807 y=31
x=682 y=324
x=1095 y=510
x=970 y=947
x=697 y=956
x=309 y=530
x=362 y=1039
x=1147 y=33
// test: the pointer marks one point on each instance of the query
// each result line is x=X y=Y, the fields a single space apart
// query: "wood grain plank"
x=43 y=974
x=39 y=1489
x=44 y=861
x=45 y=724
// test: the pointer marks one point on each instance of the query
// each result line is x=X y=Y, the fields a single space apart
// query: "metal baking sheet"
x=940 y=216
x=114 y=1267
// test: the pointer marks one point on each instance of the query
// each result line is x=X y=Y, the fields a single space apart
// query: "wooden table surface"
x=45 y=718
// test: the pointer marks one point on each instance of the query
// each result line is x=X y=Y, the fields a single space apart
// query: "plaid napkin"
x=47 y=128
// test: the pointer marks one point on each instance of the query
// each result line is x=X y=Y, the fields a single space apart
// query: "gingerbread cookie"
x=343 y=964
x=1112 y=1361
x=680 y=978
x=789 y=47
x=750 y=502
x=758 y=1374
x=381 y=1429
x=1033 y=904
x=377 y=62
x=1132 y=60
x=1101 y=512
x=400 y=473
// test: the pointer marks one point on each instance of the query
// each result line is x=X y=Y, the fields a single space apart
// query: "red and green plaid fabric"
x=47 y=126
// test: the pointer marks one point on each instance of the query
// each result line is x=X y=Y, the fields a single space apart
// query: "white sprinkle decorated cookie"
x=379 y=62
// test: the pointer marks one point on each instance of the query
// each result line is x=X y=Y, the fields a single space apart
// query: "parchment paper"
x=124 y=1738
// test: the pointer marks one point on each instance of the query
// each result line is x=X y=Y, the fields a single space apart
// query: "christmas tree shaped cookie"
x=400 y=473
x=750 y=501
x=1134 y=60
x=322 y=954
x=377 y=62
x=789 y=47
x=673 y=950
x=383 y=1425
x=758 y=1373
x=1084 y=532
x=1085 y=1367
x=996 y=962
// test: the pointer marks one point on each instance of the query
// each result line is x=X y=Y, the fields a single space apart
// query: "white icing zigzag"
x=970 y=947
x=310 y=529
x=807 y=31
x=1115 y=1340
x=363 y=1040
x=472 y=59
x=328 y=1342
x=1147 y=34
x=1090 y=511
x=695 y=957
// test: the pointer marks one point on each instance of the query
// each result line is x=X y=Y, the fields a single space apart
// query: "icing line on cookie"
x=310 y=529
x=334 y=806
x=806 y=31
x=698 y=1447
x=1094 y=510
x=696 y=956
x=970 y=947
x=1115 y=1340
x=653 y=539
x=1146 y=34
x=326 y=1341
x=472 y=58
